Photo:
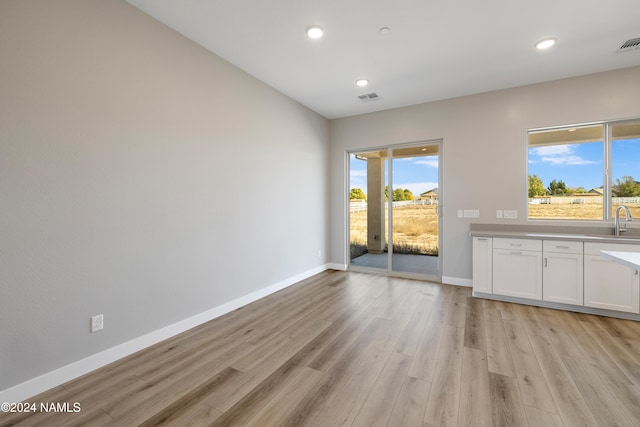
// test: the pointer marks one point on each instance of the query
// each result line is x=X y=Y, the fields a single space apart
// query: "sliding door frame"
x=389 y=225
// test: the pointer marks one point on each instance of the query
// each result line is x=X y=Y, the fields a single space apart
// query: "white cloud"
x=567 y=160
x=559 y=155
x=357 y=179
x=553 y=150
x=431 y=163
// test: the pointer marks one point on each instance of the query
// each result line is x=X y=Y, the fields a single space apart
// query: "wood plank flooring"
x=347 y=348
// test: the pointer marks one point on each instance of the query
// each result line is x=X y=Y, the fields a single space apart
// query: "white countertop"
x=630 y=259
x=603 y=238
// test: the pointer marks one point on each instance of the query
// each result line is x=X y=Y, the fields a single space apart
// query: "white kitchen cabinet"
x=482 y=264
x=562 y=272
x=552 y=271
x=517 y=268
x=608 y=284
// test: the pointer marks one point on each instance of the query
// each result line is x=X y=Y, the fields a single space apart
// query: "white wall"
x=484 y=148
x=141 y=177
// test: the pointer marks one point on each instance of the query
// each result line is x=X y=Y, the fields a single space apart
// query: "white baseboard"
x=66 y=373
x=334 y=266
x=458 y=281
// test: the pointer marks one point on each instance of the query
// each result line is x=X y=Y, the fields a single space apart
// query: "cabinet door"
x=610 y=285
x=517 y=273
x=482 y=264
x=562 y=278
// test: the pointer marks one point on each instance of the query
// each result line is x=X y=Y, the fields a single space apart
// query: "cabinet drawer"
x=517 y=244
x=595 y=248
x=562 y=247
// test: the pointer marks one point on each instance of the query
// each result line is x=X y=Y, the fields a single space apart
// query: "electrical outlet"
x=97 y=323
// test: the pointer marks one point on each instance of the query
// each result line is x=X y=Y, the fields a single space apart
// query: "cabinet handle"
x=516 y=253
x=636 y=272
x=545 y=262
x=562 y=247
x=516 y=244
x=484 y=239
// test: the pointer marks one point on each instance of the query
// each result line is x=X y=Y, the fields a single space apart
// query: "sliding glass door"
x=394 y=206
x=415 y=210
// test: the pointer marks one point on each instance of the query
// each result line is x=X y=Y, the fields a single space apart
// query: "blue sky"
x=581 y=165
x=418 y=174
x=625 y=159
x=578 y=165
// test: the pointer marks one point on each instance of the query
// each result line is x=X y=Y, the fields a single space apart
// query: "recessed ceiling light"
x=315 y=31
x=545 y=44
x=362 y=82
x=385 y=30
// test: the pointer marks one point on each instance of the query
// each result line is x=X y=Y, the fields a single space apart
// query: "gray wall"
x=141 y=177
x=484 y=148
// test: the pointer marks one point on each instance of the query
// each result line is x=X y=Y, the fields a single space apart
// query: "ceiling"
x=434 y=49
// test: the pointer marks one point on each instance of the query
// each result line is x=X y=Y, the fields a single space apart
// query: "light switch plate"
x=511 y=214
x=471 y=213
x=499 y=214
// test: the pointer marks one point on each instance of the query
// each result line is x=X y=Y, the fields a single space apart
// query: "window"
x=625 y=167
x=568 y=171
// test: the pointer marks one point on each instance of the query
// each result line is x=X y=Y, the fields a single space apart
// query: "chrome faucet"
x=627 y=216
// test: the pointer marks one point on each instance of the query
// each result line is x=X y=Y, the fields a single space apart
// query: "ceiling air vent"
x=629 y=45
x=369 y=97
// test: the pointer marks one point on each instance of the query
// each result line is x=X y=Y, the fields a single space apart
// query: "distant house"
x=429 y=195
x=594 y=192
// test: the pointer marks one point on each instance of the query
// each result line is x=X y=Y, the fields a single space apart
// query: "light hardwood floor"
x=346 y=348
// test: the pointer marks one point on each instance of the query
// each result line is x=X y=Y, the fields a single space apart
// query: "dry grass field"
x=415 y=229
x=568 y=211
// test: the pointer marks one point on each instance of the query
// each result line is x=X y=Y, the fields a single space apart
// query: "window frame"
x=607 y=179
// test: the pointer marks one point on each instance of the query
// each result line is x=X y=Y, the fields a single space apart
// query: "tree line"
x=625 y=187
x=398 y=194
